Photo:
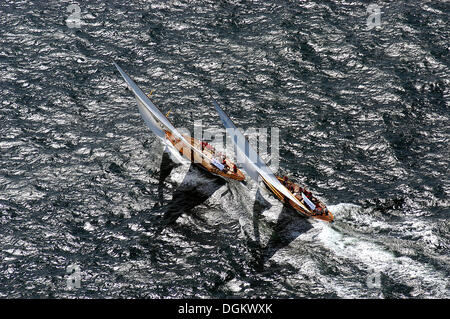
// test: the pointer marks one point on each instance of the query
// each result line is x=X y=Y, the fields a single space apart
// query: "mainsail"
x=145 y=101
x=150 y=113
x=250 y=160
x=150 y=120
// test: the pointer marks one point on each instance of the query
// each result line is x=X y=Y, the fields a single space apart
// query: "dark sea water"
x=364 y=123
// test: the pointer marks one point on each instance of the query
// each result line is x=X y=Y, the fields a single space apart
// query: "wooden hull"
x=328 y=217
x=196 y=158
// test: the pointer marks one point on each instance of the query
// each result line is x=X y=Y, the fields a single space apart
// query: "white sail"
x=241 y=158
x=245 y=163
x=150 y=113
x=150 y=120
x=252 y=162
x=145 y=101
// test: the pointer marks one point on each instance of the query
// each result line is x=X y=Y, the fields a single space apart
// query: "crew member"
x=308 y=194
x=318 y=210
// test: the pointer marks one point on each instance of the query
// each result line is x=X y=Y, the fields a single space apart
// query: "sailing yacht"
x=302 y=201
x=179 y=144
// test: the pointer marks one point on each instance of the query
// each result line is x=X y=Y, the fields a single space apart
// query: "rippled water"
x=363 y=117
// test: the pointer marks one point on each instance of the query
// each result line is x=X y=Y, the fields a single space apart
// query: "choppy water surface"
x=364 y=123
